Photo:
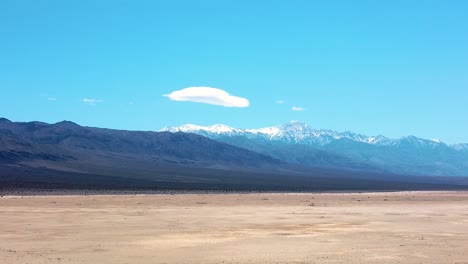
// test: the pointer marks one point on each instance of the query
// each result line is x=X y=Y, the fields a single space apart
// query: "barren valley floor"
x=402 y=227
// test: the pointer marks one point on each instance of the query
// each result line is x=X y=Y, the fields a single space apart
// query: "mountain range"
x=36 y=155
x=298 y=143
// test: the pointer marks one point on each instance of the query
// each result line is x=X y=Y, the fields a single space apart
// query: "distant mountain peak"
x=301 y=133
x=66 y=124
x=190 y=128
x=410 y=137
x=299 y=143
x=221 y=128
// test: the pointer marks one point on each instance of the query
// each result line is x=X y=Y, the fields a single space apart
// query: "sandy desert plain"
x=399 y=227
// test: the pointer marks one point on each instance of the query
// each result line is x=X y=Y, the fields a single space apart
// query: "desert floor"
x=404 y=227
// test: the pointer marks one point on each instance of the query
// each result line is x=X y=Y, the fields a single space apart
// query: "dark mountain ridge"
x=69 y=141
x=67 y=155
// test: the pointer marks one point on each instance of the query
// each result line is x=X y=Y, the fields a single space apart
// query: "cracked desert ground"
x=402 y=227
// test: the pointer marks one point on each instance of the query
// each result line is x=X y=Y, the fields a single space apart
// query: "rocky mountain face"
x=299 y=143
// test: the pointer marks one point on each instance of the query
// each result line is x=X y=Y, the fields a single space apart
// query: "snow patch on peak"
x=266 y=130
x=215 y=129
x=219 y=128
x=187 y=128
x=378 y=140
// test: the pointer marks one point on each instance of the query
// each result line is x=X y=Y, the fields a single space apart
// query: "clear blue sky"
x=374 y=67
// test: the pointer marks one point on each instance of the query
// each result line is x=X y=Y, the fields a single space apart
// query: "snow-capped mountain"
x=301 y=133
x=217 y=129
x=297 y=142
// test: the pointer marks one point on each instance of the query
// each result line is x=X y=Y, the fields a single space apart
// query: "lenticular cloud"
x=208 y=95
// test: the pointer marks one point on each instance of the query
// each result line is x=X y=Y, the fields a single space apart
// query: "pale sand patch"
x=405 y=227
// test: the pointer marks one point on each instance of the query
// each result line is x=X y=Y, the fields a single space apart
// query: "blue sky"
x=374 y=67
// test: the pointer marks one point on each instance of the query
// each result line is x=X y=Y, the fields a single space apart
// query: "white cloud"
x=297 y=108
x=280 y=102
x=91 y=101
x=52 y=99
x=208 y=95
